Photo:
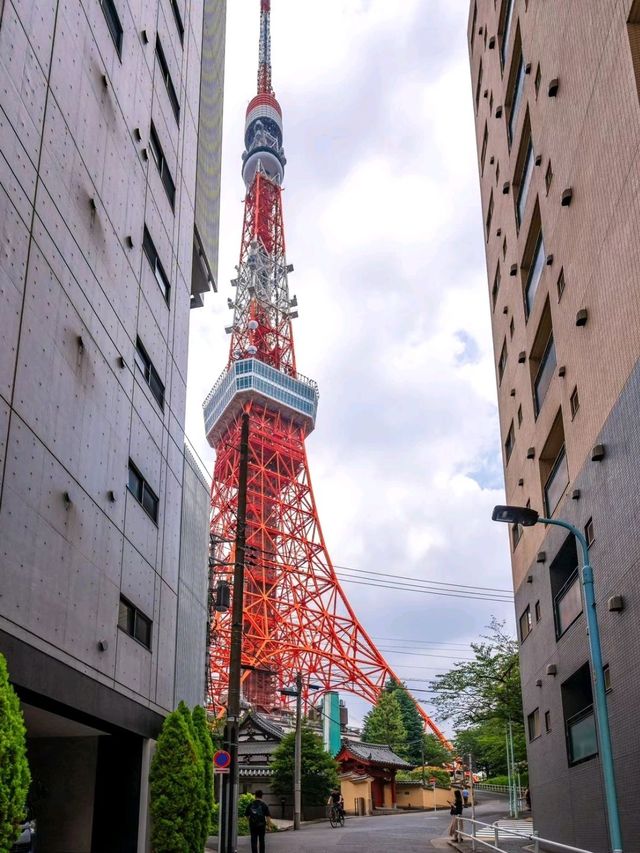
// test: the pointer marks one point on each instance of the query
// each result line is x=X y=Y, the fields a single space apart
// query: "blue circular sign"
x=221 y=759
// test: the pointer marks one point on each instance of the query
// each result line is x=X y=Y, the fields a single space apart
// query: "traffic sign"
x=221 y=761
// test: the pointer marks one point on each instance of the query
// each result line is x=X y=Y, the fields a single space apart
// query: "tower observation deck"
x=296 y=617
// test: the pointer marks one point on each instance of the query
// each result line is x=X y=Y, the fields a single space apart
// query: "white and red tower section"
x=296 y=615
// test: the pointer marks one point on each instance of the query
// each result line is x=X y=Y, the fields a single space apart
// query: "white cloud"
x=384 y=228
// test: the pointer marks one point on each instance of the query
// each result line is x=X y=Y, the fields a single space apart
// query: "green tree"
x=481 y=696
x=176 y=787
x=435 y=753
x=319 y=769
x=411 y=720
x=486 y=688
x=383 y=724
x=201 y=727
x=14 y=768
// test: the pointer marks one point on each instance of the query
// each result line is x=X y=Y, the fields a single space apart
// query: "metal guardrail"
x=498 y=789
x=511 y=833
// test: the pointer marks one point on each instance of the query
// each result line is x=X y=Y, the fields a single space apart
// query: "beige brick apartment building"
x=555 y=94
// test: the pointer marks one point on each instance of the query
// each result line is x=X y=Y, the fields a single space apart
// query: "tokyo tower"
x=296 y=617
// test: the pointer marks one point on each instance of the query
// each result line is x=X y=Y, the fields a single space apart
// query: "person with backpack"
x=259 y=816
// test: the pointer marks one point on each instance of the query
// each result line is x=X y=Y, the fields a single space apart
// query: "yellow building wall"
x=415 y=797
x=351 y=791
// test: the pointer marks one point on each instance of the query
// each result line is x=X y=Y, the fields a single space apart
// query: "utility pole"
x=513 y=772
x=472 y=794
x=297 y=770
x=229 y=791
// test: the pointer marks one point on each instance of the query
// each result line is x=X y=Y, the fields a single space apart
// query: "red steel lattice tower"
x=296 y=615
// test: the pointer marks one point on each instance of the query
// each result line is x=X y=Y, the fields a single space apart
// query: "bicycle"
x=336 y=816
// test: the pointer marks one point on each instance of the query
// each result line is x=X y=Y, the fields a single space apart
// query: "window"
x=156 y=266
x=145 y=365
x=538 y=79
x=512 y=328
x=489 y=215
x=537 y=611
x=161 y=163
x=544 y=375
x=178 y=19
x=547 y=721
x=535 y=267
x=533 y=724
x=142 y=492
x=589 y=532
x=504 y=249
x=168 y=82
x=607 y=677
x=524 y=182
x=496 y=287
x=502 y=362
x=113 y=22
x=479 y=86
x=504 y=30
x=525 y=624
x=633 y=31
x=560 y=284
x=577 y=709
x=554 y=471
x=509 y=442
x=519 y=416
x=134 y=623
x=516 y=99
x=548 y=177
x=516 y=534
x=574 y=402
x=497 y=172
x=566 y=589
x=483 y=152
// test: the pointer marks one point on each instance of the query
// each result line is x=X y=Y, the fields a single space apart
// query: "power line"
x=407 y=588
x=424 y=580
x=419 y=653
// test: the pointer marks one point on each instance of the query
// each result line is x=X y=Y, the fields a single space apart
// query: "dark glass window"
x=544 y=375
x=524 y=184
x=574 y=402
x=589 y=532
x=479 y=86
x=145 y=365
x=168 y=82
x=516 y=100
x=161 y=163
x=537 y=611
x=509 y=442
x=489 y=215
x=158 y=270
x=134 y=623
x=142 y=492
x=483 y=153
x=557 y=482
x=577 y=708
x=535 y=274
x=113 y=23
x=502 y=362
x=178 y=19
x=506 y=20
x=516 y=534
x=547 y=721
x=533 y=724
x=560 y=284
x=496 y=287
x=525 y=624
x=568 y=603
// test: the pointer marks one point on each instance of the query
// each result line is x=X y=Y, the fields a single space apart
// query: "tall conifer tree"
x=14 y=768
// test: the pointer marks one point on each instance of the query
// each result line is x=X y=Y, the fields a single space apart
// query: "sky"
x=384 y=228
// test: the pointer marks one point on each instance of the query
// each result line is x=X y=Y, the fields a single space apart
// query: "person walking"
x=465 y=796
x=456 y=811
x=259 y=816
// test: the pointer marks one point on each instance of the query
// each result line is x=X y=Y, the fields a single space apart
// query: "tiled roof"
x=256 y=770
x=375 y=753
x=262 y=723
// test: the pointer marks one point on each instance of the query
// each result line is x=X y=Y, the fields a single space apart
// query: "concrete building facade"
x=109 y=195
x=556 y=98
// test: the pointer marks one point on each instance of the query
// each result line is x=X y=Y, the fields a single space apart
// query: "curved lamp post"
x=527 y=517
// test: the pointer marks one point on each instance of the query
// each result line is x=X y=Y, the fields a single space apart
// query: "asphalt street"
x=407 y=832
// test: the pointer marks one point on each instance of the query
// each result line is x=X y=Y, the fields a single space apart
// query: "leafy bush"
x=504 y=780
x=201 y=730
x=441 y=776
x=14 y=768
x=319 y=769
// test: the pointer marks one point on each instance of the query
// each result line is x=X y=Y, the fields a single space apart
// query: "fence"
x=498 y=829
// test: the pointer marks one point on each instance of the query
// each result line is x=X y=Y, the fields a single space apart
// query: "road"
x=407 y=832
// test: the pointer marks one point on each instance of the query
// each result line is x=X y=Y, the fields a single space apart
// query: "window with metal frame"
x=577 y=709
x=496 y=287
x=489 y=215
x=535 y=274
x=478 y=86
x=142 y=492
x=556 y=483
x=168 y=82
x=502 y=361
x=156 y=265
x=544 y=376
x=134 y=623
x=526 y=624
x=568 y=603
x=516 y=99
x=509 y=443
x=483 y=151
x=161 y=163
x=113 y=22
x=151 y=376
x=533 y=724
x=504 y=29
x=523 y=182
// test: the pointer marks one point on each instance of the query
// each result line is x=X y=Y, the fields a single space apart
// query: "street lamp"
x=297 y=760
x=527 y=517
